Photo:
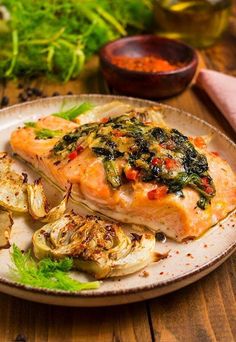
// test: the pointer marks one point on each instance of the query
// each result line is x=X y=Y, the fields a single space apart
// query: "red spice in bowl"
x=127 y=65
x=146 y=63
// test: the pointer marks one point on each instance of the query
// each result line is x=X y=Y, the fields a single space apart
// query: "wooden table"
x=202 y=312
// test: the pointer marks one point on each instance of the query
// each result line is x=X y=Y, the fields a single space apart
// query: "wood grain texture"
x=202 y=312
x=37 y=322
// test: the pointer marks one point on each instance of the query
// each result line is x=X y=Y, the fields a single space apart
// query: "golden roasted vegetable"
x=38 y=206
x=6 y=223
x=13 y=195
x=17 y=195
x=96 y=246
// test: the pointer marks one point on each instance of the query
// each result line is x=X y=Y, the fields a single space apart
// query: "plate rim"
x=144 y=288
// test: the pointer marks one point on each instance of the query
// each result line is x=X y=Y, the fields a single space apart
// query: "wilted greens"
x=55 y=37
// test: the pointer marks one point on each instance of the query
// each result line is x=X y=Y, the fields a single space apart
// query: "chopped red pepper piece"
x=104 y=120
x=117 y=133
x=79 y=149
x=209 y=190
x=170 y=163
x=131 y=174
x=205 y=181
x=157 y=193
x=73 y=155
x=207 y=187
x=156 y=161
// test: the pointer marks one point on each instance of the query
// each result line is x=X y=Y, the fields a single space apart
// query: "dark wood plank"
x=37 y=322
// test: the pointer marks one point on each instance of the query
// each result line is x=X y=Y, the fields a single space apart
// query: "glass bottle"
x=198 y=22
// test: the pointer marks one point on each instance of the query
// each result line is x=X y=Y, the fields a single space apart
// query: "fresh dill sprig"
x=47 y=273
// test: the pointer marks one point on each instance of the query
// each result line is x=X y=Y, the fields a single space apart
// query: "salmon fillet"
x=136 y=200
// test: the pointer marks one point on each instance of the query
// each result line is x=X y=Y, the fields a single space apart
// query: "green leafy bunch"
x=55 y=37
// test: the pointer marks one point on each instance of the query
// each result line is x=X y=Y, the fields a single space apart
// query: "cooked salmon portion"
x=133 y=170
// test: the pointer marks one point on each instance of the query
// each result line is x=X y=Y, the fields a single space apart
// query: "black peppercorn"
x=4 y=101
x=23 y=97
x=36 y=91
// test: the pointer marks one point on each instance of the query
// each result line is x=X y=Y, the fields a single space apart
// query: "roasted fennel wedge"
x=38 y=206
x=98 y=247
x=19 y=196
x=13 y=194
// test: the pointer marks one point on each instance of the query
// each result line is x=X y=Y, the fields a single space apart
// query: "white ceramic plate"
x=186 y=263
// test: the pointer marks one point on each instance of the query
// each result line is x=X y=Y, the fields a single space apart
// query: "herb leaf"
x=47 y=273
x=30 y=124
x=46 y=133
x=75 y=111
x=112 y=173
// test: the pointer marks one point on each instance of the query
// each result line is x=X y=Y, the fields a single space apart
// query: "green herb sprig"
x=30 y=124
x=45 y=133
x=47 y=273
x=72 y=113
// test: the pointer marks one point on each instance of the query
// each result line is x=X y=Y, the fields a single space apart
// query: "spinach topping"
x=157 y=154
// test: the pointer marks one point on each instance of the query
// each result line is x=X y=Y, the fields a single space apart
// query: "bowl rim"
x=190 y=65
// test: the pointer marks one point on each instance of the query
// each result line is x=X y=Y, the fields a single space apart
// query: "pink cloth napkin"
x=221 y=89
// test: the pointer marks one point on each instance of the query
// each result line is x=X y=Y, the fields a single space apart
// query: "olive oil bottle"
x=198 y=22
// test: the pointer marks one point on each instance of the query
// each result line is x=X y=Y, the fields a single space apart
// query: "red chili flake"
x=73 y=155
x=157 y=193
x=144 y=63
x=214 y=153
x=117 y=133
x=199 y=142
x=131 y=174
x=189 y=255
x=170 y=163
x=161 y=273
x=156 y=161
x=79 y=149
x=104 y=120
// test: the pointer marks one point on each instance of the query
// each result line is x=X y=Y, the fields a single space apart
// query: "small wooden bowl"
x=148 y=84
